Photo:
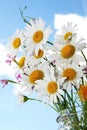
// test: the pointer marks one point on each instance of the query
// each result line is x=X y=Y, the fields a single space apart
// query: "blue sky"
x=31 y=115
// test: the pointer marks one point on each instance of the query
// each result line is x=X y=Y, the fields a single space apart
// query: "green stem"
x=75 y=118
x=43 y=102
x=11 y=81
x=21 y=12
x=84 y=56
x=16 y=62
x=50 y=42
x=85 y=115
x=72 y=110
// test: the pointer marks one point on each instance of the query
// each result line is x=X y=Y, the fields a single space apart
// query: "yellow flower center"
x=38 y=36
x=52 y=87
x=68 y=51
x=40 y=54
x=21 y=62
x=70 y=73
x=16 y=43
x=36 y=75
x=83 y=92
x=67 y=35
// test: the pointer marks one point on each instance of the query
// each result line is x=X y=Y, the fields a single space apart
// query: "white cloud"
x=81 y=22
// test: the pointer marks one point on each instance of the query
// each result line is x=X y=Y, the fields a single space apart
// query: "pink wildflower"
x=18 y=77
x=11 y=58
x=4 y=82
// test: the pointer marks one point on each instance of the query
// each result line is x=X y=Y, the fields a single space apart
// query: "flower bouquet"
x=55 y=73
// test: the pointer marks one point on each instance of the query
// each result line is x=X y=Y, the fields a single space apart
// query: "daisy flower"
x=72 y=73
x=21 y=62
x=16 y=42
x=34 y=59
x=49 y=87
x=29 y=76
x=69 y=51
x=53 y=59
x=67 y=33
x=21 y=97
x=36 y=35
x=18 y=66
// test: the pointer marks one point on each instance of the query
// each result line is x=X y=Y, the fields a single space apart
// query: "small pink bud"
x=4 y=82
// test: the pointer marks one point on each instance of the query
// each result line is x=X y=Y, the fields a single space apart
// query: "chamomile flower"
x=29 y=77
x=21 y=97
x=16 y=42
x=34 y=59
x=20 y=61
x=67 y=33
x=36 y=35
x=72 y=73
x=19 y=64
x=69 y=51
x=49 y=87
x=54 y=59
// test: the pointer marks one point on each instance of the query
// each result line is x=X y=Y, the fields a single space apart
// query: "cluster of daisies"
x=46 y=68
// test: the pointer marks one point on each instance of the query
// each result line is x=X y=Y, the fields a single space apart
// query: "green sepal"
x=26 y=98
